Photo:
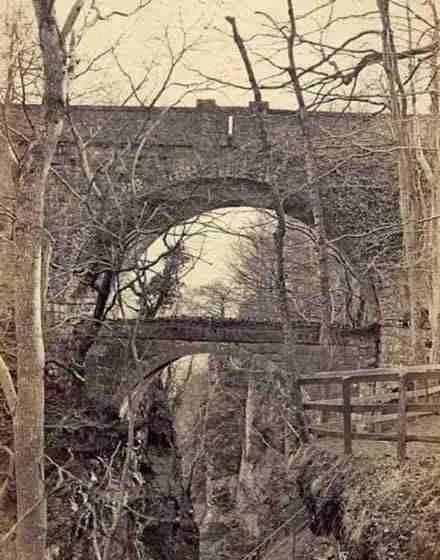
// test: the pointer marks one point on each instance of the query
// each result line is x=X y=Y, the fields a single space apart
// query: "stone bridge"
x=183 y=161
x=112 y=370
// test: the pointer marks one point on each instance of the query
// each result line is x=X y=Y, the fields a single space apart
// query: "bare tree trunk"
x=296 y=419
x=29 y=421
x=398 y=107
x=325 y=333
x=408 y=217
x=31 y=181
x=435 y=179
x=404 y=135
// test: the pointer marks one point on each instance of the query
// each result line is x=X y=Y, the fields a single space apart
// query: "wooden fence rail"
x=400 y=410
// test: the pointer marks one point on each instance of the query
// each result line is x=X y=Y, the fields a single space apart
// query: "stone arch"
x=203 y=194
x=209 y=194
x=186 y=199
x=114 y=373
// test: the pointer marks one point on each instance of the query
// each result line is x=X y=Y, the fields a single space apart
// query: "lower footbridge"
x=128 y=351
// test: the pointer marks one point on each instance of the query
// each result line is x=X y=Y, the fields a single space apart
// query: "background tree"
x=411 y=90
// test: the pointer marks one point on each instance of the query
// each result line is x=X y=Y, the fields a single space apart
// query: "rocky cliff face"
x=244 y=490
x=139 y=500
x=241 y=490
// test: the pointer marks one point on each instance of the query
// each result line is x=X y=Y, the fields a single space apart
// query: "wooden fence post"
x=346 y=402
x=401 y=419
x=325 y=395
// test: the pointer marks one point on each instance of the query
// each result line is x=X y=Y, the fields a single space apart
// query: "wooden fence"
x=391 y=406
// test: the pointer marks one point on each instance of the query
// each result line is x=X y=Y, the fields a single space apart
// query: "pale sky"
x=212 y=248
x=142 y=43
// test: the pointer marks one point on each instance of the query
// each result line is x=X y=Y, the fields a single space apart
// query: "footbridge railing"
x=398 y=395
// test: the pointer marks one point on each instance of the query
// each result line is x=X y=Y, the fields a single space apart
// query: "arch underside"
x=113 y=372
x=205 y=194
x=351 y=209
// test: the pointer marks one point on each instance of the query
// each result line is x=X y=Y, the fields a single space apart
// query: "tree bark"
x=29 y=421
x=409 y=141
x=31 y=179
x=398 y=108
x=435 y=179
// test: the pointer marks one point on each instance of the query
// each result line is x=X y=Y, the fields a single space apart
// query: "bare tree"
x=30 y=185
x=416 y=138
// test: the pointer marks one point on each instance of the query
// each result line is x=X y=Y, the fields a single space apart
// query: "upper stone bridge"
x=178 y=162
x=156 y=343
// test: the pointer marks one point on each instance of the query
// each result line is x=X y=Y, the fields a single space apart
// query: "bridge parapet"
x=204 y=329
